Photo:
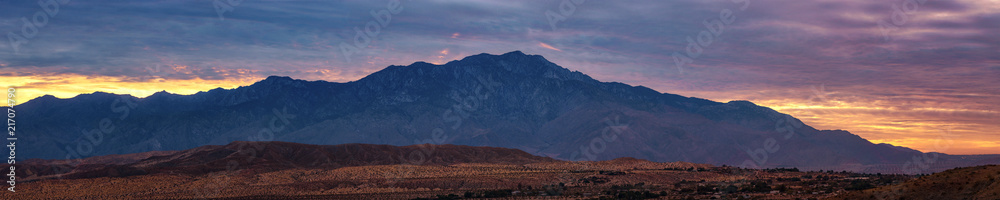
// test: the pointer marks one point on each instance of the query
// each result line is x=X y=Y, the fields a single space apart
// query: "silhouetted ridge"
x=512 y=100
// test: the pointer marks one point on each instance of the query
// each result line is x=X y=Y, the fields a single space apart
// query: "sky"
x=924 y=74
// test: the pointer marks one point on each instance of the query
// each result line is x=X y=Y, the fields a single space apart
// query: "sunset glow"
x=69 y=86
x=499 y=99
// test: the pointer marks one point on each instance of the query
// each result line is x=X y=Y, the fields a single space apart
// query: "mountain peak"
x=515 y=53
x=162 y=92
x=48 y=96
x=520 y=63
x=276 y=80
x=510 y=64
x=742 y=103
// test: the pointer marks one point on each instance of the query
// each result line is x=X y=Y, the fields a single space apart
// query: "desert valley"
x=281 y=170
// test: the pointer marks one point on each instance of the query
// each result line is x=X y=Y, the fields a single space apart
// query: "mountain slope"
x=511 y=100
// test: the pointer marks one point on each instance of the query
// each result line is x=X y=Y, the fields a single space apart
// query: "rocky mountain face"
x=511 y=100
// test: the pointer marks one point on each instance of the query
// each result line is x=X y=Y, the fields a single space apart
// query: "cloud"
x=547 y=46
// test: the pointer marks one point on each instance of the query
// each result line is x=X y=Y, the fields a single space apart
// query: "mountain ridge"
x=511 y=100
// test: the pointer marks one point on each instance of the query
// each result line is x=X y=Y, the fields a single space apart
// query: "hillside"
x=980 y=182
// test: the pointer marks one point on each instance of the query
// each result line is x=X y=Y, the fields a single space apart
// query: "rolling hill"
x=979 y=182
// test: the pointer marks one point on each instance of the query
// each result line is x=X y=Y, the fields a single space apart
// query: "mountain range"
x=511 y=100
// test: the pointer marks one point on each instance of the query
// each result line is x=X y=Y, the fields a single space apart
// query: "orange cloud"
x=928 y=125
x=547 y=46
